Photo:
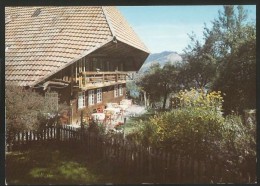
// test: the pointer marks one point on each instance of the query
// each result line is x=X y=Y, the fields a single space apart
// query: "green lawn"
x=63 y=164
x=132 y=122
x=58 y=165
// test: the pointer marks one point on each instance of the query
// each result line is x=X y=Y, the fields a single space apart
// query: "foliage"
x=132 y=89
x=239 y=144
x=225 y=60
x=193 y=129
x=97 y=128
x=236 y=39
x=239 y=75
x=27 y=109
x=160 y=82
x=198 y=129
x=239 y=136
x=200 y=99
x=200 y=67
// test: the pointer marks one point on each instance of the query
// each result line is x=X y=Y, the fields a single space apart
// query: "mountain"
x=161 y=58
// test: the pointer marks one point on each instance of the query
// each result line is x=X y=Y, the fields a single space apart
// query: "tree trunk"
x=141 y=97
x=165 y=99
x=145 y=99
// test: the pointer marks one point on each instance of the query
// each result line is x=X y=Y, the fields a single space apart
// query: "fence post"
x=149 y=161
x=44 y=134
x=141 y=160
x=10 y=139
x=23 y=136
x=57 y=132
x=81 y=126
x=179 y=168
x=26 y=139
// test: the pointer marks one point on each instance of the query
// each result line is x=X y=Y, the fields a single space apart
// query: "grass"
x=58 y=165
x=66 y=164
x=132 y=122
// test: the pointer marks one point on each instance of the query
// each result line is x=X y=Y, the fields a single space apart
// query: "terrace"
x=99 y=79
x=116 y=114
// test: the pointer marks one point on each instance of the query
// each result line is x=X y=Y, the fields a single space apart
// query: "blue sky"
x=167 y=27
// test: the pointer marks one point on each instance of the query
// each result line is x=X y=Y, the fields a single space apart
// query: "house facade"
x=85 y=54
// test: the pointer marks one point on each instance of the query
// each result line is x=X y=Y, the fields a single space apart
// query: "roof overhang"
x=110 y=48
x=118 y=49
x=85 y=53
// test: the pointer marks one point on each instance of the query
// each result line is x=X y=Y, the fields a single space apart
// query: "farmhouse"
x=84 y=54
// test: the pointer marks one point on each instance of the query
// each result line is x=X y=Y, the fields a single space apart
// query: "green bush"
x=199 y=129
x=239 y=145
x=193 y=129
x=187 y=130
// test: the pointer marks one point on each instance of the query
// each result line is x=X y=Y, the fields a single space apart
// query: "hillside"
x=161 y=58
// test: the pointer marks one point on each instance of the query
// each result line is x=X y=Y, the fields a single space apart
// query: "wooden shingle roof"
x=43 y=40
x=122 y=30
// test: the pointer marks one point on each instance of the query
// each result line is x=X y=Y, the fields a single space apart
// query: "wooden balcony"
x=89 y=80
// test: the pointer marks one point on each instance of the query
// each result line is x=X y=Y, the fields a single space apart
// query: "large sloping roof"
x=43 y=40
x=121 y=29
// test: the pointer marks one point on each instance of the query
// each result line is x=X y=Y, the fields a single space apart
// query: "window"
x=91 y=97
x=116 y=91
x=120 y=90
x=81 y=100
x=99 y=95
x=36 y=12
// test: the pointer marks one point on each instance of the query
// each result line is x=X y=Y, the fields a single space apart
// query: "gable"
x=43 y=40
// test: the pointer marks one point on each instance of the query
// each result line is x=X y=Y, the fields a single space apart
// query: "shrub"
x=193 y=129
x=201 y=99
x=28 y=110
x=239 y=145
x=199 y=129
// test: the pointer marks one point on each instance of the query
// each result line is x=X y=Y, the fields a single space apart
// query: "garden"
x=59 y=164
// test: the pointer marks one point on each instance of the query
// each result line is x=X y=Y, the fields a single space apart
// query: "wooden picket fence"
x=162 y=166
x=155 y=165
x=20 y=140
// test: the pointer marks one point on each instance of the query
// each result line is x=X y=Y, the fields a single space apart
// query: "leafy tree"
x=200 y=67
x=228 y=30
x=237 y=79
x=27 y=109
x=226 y=60
x=148 y=84
x=236 y=75
x=160 y=82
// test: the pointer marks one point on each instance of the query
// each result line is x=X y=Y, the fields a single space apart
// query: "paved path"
x=133 y=110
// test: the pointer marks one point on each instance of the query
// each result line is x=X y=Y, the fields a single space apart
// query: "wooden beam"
x=100 y=85
x=47 y=83
x=100 y=73
x=60 y=80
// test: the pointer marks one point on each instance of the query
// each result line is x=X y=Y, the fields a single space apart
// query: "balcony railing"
x=99 y=79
